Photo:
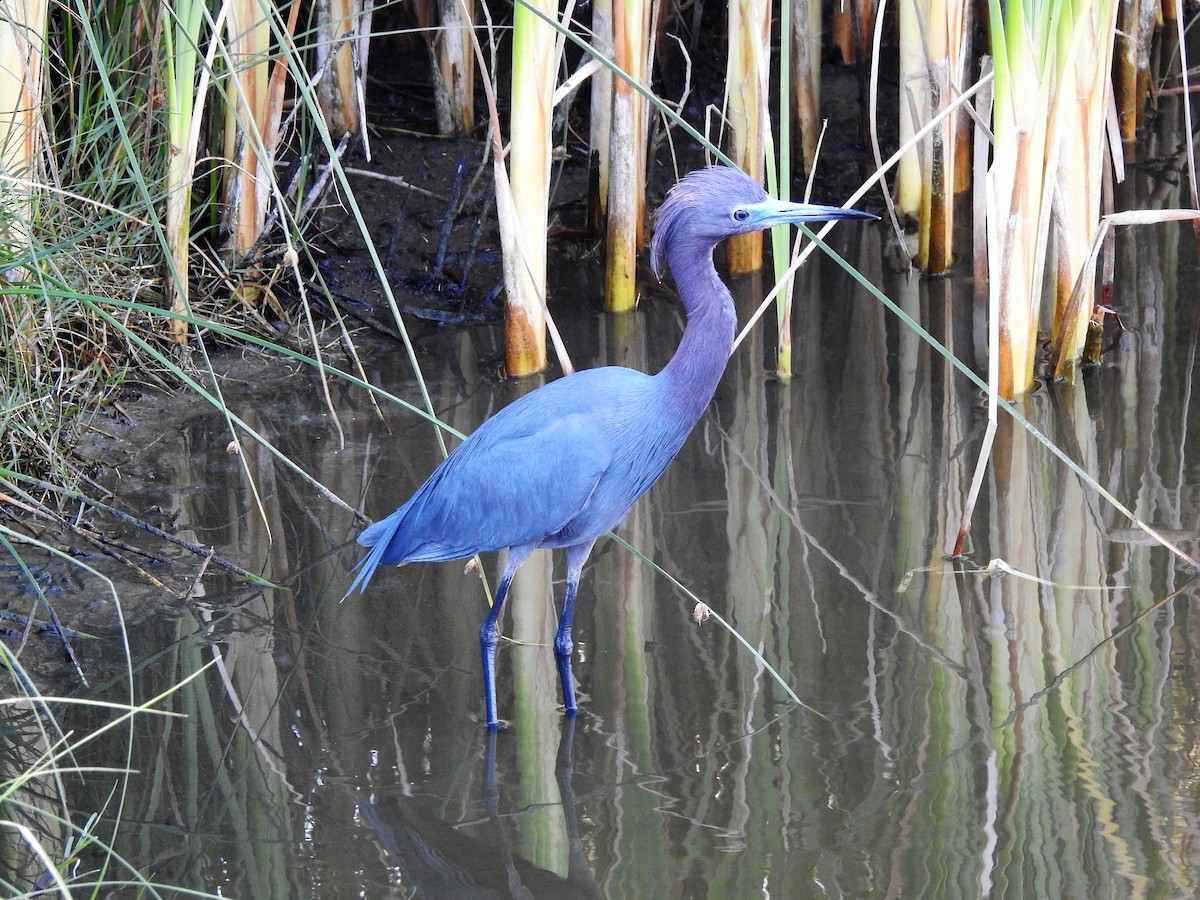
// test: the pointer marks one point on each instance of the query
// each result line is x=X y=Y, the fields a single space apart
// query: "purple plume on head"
x=698 y=206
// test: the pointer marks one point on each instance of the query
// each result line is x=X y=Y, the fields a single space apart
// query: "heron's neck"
x=690 y=378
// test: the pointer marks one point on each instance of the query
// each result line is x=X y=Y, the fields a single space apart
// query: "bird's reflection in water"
x=441 y=861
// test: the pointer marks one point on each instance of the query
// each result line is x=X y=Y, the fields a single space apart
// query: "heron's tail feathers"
x=366 y=568
x=379 y=538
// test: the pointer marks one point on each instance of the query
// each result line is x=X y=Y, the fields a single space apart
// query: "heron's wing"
x=515 y=481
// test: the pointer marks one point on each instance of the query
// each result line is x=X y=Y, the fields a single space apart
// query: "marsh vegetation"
x=262 y=264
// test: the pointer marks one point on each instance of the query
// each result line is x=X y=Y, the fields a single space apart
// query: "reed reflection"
x=1025 y=730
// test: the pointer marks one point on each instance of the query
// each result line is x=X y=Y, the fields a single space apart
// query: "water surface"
x=971 y=732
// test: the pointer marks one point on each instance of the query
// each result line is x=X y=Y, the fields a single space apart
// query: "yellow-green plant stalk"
x=1052 y=76
x=343 y=32
x=529 y=174
x=1018 y=190
x=746 y=111
x=780 y=186
x=1085 y=50
x=805 y=19
x=506 y=209
x=913 y=109
x=181 y=33
x=247 y=172
x=627 y=155
x=22 y=48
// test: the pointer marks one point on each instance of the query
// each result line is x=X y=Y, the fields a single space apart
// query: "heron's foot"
x=572 y=698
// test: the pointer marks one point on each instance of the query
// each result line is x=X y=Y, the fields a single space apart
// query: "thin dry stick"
x=812 y=176
x=665 y=136
x=106 y=545
x=292 y=259
x=579 y=76
x=397 y=180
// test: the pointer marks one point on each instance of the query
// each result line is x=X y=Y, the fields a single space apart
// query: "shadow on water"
x=985 y=736
x=439 y=859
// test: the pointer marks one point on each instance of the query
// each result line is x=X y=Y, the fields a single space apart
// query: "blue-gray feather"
x=563 y=465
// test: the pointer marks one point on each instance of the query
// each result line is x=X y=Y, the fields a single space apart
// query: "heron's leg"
x=576 y=557
x=489 y=633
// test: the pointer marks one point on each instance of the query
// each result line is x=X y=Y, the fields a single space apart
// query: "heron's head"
x=709 y=205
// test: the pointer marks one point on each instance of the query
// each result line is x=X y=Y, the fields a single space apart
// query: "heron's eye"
x=741 y=215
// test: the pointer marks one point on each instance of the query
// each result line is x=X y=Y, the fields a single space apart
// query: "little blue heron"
x=562 y=466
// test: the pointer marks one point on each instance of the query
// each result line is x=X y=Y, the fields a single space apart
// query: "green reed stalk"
x=911 y=109
x=1052 y=81
x=781 y=236
x=181 y=34
x=1018 y=190
x=529 y=173
x=1085 y=46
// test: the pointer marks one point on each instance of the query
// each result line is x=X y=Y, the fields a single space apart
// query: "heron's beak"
x=778 y=212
